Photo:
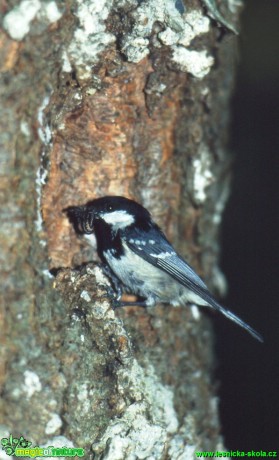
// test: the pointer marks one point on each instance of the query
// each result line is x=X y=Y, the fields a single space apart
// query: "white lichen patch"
x=24 y=128
x=197 y=63
x=136 y=44
x=143 y=430
x=132 y=437
x=195 y=23
x=136 y=48
x=91 y=37
x=99 y=275
x=41 y=176
x=50 y=11
x=44 y=133
x=158 y=397
x=84 y=397
x=85 y=296
x=17 y=22
x=31 y=383
x=202 y=174
x=53 y=424
x=179 y=31
x=66 y=64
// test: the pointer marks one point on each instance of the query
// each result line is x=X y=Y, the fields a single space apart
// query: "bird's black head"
x=117 y=212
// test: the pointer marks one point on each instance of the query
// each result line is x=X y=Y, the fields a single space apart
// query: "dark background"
x=248 y=371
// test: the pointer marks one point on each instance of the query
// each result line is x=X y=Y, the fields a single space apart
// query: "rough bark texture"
x=103 y=97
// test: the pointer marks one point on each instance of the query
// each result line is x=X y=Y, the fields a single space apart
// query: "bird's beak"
x=81 y=218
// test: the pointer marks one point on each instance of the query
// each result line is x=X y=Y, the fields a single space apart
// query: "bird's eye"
x=110 y=207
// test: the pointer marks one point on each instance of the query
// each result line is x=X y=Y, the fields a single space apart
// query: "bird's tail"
x=229 y=314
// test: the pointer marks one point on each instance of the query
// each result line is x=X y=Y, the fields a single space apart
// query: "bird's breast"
x=143 y=279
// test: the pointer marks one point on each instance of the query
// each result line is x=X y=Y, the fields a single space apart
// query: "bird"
x=140 y=259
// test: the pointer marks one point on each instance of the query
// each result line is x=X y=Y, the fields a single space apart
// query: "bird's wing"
x=153 y=247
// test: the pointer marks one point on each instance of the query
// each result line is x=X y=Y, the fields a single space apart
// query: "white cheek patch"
x=118 y=219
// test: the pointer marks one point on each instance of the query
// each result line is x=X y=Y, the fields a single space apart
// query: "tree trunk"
x=127 y=98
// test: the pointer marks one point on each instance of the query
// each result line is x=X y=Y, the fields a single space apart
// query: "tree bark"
x=127 y=98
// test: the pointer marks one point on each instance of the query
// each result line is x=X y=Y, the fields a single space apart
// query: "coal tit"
x=137 y=252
